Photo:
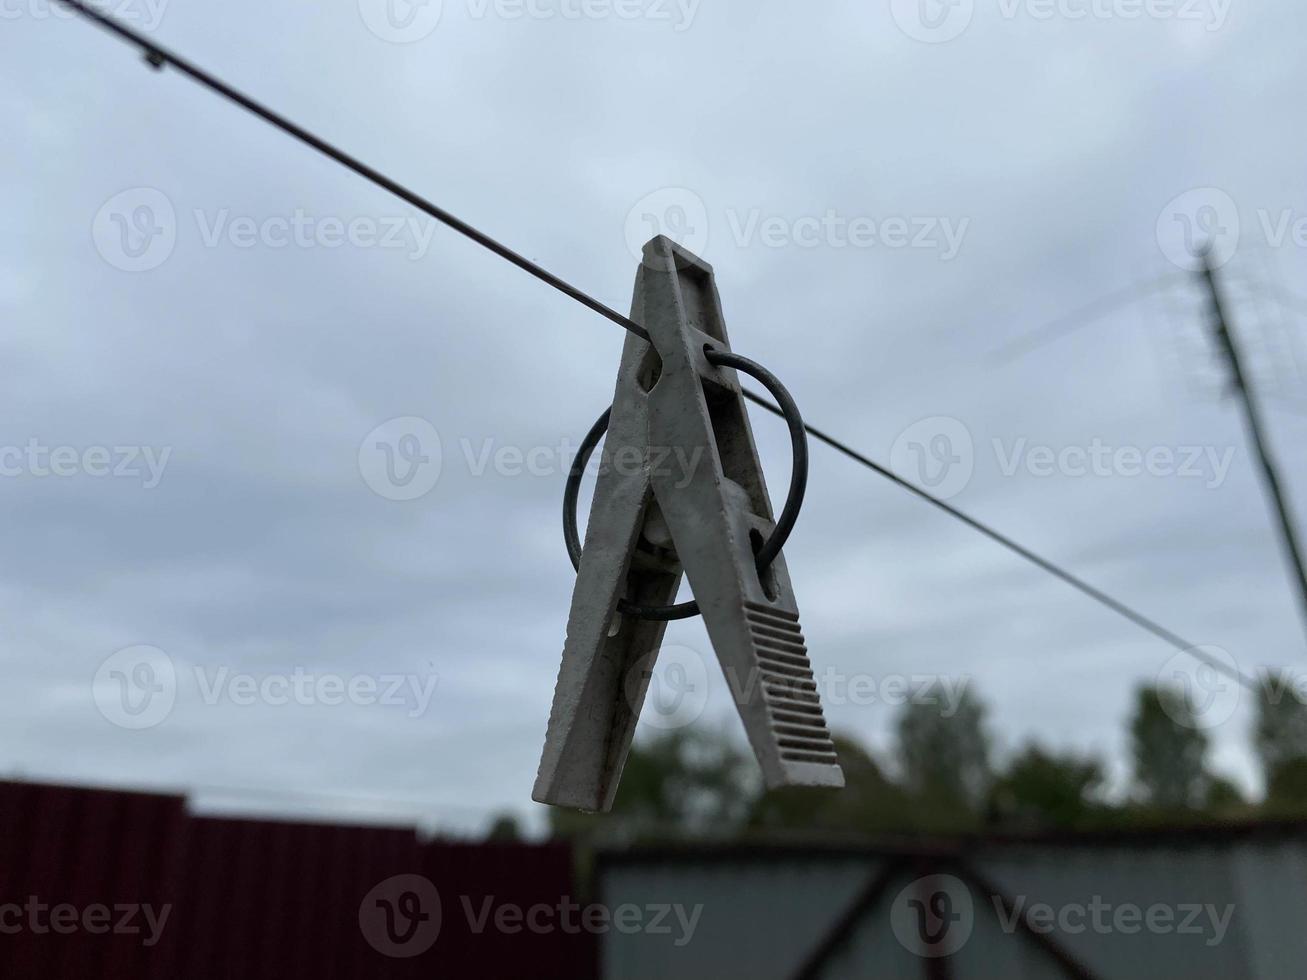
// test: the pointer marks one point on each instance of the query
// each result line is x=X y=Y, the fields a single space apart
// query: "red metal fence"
x=124 y=885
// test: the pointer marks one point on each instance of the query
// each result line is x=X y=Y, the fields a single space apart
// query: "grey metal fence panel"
x=757 y=919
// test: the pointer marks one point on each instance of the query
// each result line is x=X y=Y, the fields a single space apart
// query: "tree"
x=1169 y=750
x=868 y=803
x=943 y=754
x=1286 y=788
x=1224 y=798
x=1281 y=740
x=683 y=782
x=504 y=829
x=1041 y=790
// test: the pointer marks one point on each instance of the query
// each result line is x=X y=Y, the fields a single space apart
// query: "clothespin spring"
x=784 y=524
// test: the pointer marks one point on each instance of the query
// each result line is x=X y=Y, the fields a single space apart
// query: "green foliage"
x=1286 y=787
x=1169 y=750
x=869 y=803
x=686 y=782
x=1280 y=737
x=940 y=779
x=944 y=757
x=1224 y=798
x=1041 y=790
x=504 y=828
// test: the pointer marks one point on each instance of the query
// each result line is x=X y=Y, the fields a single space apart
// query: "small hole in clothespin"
x=651 y=369
x=767 y=577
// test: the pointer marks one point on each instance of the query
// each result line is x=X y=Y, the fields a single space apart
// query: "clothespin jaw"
x=708 y=515
x=607 y=657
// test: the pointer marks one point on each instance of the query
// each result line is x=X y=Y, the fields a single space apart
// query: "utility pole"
x=1256 y=426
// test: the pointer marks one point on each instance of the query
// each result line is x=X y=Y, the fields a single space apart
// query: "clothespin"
x=681 y=491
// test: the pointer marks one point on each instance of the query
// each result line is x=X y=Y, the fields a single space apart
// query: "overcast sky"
x=223 y=326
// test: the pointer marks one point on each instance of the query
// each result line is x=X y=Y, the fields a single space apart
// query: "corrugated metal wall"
x=253 y=899
x=84 y=848
x=777 y=912
x=1261 y=884
x=758 y=918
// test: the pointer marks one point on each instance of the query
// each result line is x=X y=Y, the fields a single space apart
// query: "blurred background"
x=282 y=459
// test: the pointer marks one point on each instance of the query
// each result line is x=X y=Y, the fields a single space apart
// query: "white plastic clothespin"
x=681 y=490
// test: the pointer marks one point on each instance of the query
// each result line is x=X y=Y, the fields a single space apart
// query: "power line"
x=1096 y=310
x=1138 y=618
x=160 y=57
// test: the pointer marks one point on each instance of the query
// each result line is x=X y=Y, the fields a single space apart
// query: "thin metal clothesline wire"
x=160 y=57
